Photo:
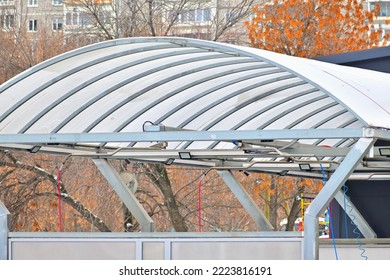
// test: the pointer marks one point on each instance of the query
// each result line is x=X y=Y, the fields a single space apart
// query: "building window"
x=105 y=17
x=230 y=17
x=78 y=18
x=203 y=15
x=57 y=2
x=173 y=16
x=7 y=21
x=386 y=33
x=33 y=25
x=32 y=3
x=198 y=15
x=72 y=18
x=187 y=16
x=85 y=19
x=384 y=8
x=57 y=24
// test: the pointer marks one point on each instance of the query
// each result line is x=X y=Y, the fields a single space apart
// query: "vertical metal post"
x=4 y=230
x=168 y=250
x=328 y=192
x=245 y=199
x=125 y=194
x=139 y=250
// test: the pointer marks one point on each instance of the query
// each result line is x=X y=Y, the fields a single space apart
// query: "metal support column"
x=245 y=199
x=4 y=229
x=328 y=192
x=125 y=194
x=355 y=216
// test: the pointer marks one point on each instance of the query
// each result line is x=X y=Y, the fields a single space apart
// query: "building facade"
x=382 y=22
x=220 y=20
x=203 y=19
x=33 y=15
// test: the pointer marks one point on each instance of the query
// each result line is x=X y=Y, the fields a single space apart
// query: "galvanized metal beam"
x=4 y=230
x=246 y=201
x=355 y=215
x=225 y=135
x=311 y=238
x=128 y=198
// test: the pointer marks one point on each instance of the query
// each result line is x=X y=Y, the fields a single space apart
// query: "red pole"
x=200 y=205
x=59 y=198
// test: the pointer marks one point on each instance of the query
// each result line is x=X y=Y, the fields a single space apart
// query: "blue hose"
x=355 y=229
x=345 y=188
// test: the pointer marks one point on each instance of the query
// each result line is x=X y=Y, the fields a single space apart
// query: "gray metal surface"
x=238 y=108
x=4 y=230
x=158 y=248
x=114 y=87
x=328 y=192
x=162 y=246
x=101 y=96
x=156 y=235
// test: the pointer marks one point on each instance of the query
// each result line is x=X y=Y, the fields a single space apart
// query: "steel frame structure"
x=341 y=172
x=227 y=107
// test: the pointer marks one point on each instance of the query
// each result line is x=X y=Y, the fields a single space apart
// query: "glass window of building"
x=384 y=8
x=57 y=24
x=33 y=25
x=32 y=3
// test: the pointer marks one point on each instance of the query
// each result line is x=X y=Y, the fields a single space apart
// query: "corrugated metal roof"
x=119 y=86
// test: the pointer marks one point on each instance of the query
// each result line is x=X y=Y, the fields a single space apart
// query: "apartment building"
x=214 y=20
x=7 y=14
x=382 y=22
x=31 y=14
x=204 y=19
x=45 y=15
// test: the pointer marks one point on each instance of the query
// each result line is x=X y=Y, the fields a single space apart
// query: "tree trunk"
x=273 y=205
x=159 y=176
x=295 y=210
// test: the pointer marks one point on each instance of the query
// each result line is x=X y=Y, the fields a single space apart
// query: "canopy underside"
x=110 y=97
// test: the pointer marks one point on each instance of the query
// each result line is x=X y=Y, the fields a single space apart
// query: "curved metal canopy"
x=111 y=100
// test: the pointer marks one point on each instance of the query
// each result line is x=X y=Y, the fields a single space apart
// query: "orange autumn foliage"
x=313 y=28
x=286 y=186
x=278 y=193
